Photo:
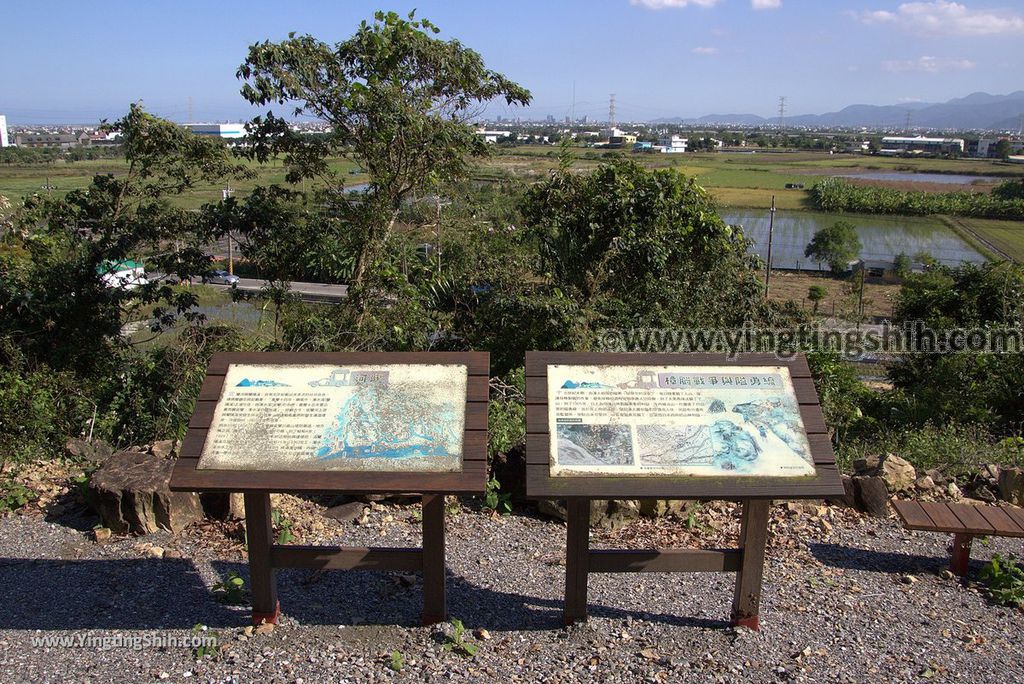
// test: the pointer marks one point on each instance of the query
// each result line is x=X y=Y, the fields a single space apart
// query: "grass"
x=1006 y=236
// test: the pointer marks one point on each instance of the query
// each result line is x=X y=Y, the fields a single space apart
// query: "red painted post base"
x=270 y=618
x=961 y=557
x=748 y=622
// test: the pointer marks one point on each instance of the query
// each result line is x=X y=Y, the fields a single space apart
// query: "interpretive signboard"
x=674 y=426
x=675 y=420
x=393 y=417
x=355 y=423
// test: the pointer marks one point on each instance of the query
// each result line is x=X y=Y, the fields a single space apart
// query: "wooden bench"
x=964 y=522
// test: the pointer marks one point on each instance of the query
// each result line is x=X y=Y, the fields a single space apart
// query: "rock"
x=898 y=474
x=937 y=477
x=1011 y=485
x=871 y=495
x=130 y=493
x=661 y=508
x=162 y=448
x=223 y=506
x=155 y=552
x=849 y=499
x=953 y=490
x=482 y=634
x=101 y=534
x=265 y=628
x=552 y=508
x=990 y=472
x=867 y=466
x=79 y=449
x=346 y=513
x=924 y=483
x=612 y=514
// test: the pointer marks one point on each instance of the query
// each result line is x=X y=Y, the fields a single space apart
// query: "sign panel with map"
x=675 y=420
x=390 y=417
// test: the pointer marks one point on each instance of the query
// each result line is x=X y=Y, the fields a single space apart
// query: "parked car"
x=220 y=278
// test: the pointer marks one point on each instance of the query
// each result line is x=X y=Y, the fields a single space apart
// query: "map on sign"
x=664 y=420
x=392 y=417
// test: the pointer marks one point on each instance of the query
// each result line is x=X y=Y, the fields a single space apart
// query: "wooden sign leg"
x=577 y=553
x=753 y=539
x=435 y=602
x=259 y=532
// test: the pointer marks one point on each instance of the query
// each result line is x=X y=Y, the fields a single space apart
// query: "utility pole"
x=768 y=268
x=225 y=194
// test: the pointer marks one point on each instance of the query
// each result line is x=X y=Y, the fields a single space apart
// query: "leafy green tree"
x=902 y=265
x=635 y=247
x=816 y=293
x=1003 y=149
x=837 y=245
x=397 y=99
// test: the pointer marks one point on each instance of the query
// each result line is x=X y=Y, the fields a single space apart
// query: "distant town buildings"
x=4 y=141
x=894 y=145
x=218 y=130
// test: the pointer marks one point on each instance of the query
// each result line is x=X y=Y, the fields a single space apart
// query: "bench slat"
x=913 y=515
x=974 y=522
x=943 y=518
x=1017 y=514
x=1000 y=521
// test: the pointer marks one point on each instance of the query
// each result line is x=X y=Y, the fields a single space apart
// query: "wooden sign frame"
x=265 y=557
x=755 y=492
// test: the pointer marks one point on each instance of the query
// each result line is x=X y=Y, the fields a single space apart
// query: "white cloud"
x=942 y=17
x=672 y=4
x=931 y=65
x=765 y=4
x=705 y=51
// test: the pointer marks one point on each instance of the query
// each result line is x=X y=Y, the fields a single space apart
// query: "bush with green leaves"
x=1003 y=577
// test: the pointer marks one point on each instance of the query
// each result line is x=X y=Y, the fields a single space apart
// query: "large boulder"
x=131 y=494
x=661 y=508
x=1011 y=485
x=78 y=449
x=898 y=474
x=611 y=514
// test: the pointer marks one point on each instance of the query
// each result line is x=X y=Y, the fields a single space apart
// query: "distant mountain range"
x=977 y=111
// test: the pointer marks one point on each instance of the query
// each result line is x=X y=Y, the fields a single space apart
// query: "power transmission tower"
x=782 y=112
x=906 y=124
x=611 y=111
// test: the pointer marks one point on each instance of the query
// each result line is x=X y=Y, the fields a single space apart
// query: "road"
x=307 y=292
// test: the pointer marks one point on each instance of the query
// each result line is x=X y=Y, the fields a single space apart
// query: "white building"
x=492 y=136
x=218 y=130
x=673 y=144
x=4 y=142
x=986 y=146
x=896 y=145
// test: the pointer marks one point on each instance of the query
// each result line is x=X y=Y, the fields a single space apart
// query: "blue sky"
x=78 y=62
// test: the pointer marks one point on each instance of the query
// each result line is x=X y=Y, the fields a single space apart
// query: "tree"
x=396 y=99
x=902 y=265
x=837 y=245
x=1003 y=149
x=816 y=293
x=636 y=247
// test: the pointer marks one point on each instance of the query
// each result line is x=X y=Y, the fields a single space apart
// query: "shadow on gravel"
x=852 y=558
x=170 y=594
x=108 y=594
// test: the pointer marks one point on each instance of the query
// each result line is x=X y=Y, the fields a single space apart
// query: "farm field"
x=1007 y=236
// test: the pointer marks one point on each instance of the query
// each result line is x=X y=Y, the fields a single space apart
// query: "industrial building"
x=492 y=136
x=217 y=130
x=895 y=145
x=987 y=146
x=4 y=141
x=61 y=140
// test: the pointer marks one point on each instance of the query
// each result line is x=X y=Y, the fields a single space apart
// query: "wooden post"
x=577 y=559
x=259 y=532
x=961 y=557
x=753 y=539
x=435 y=603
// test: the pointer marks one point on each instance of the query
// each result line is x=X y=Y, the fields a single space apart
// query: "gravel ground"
x=847 y=599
